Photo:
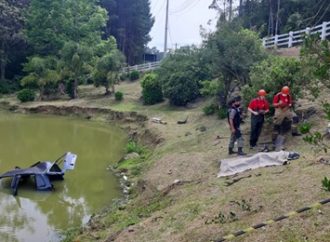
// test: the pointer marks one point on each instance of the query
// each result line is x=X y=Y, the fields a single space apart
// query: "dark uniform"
x=234 y=115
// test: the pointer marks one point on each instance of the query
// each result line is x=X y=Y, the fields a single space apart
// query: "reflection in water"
x=40 y=216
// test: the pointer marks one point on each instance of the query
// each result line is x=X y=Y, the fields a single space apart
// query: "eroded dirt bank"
x=176 y=195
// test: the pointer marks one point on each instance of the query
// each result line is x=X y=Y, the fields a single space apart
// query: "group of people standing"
x=258 y=107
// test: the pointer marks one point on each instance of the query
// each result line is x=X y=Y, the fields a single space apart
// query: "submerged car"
x=43 y=172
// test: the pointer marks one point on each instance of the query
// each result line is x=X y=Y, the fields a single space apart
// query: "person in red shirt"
x=282 y=103
x=258 y=107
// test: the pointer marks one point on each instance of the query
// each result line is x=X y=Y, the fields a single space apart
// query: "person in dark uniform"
x=258 y=107
x=234 y=121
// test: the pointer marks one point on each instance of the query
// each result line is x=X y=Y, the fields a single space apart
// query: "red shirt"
x=286 y=100
x=258 y=104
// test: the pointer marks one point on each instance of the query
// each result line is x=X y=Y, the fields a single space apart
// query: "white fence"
x=282 y=41
x=143 y=67
x=296 y=37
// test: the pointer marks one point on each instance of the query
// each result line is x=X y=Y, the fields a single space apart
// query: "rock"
x=201 y=128
x=188 y=133
x=306 y=111
x=132 y=155
x=158 y=120
x=182 y=121
x=324 y=160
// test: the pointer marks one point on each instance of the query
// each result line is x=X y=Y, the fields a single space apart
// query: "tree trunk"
x=75 y=89
x=107 y=92
x=2 y=69
x=3 y=62
x=240 y=8
x=230 y=9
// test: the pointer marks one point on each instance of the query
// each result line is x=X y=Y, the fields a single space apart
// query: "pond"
x=42 y=215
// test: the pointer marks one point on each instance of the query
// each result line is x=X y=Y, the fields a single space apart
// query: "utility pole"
x=166 y=27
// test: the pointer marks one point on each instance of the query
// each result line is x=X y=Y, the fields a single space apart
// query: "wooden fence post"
x=290 y=39
x=264 y=42
x=324 y=30
x=275 y=41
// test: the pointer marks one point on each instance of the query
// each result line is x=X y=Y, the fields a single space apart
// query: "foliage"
x=123 y=77
x=304 y=127
x=42 y=72
x=317 y=140
x=261 y=15
x=134 y=75
x=181 y=73
x=119 y=96
x=108 y=65
x=26 y=95
x=151 y=89
x=210 y=109
x=326 y=110
x=132 y=146
x=8 y=86
x=130 y=23
x=272 y=74
x=315 y=55
x=69 y=30
x=233 y=51
x=11 y=23
x=326 y=184
x=222 y=113
x=211 y=88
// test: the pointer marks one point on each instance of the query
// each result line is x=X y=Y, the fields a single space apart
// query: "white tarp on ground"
x=239 y=164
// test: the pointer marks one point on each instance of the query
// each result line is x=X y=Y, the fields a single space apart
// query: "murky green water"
x=41 y=216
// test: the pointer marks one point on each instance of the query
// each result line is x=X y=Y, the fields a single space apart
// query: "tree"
x=270 y=17
x=130 y=23
x=42 y=72
x=272 y=74
x=68 y=29
x=315 y=56
x=11 y=22
x=233 y=51
x=181 y=73
x=108 y=65
x=75 y=64
x=45 y=26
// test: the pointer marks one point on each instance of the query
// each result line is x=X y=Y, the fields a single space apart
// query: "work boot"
x=294 y=131
x=240 y=151
x=231 y=152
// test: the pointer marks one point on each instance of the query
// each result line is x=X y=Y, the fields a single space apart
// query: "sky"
x=185 y=18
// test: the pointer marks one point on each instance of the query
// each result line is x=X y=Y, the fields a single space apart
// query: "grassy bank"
x=175 y=193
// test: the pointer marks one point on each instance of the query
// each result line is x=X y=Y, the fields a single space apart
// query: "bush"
x=132 y=146
x=8 y=86
x=181 y=89
x=181 y=74
x=123 y=77
x=119 y=96
x=326 y=184
x=134 y=75
x=210 y=109
x=272 y=74
x=26 y=95
x=305 y=127
x=326 y=109
x=222 y=113
x=151 y=89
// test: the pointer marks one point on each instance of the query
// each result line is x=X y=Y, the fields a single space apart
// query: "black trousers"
x=257 y=122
